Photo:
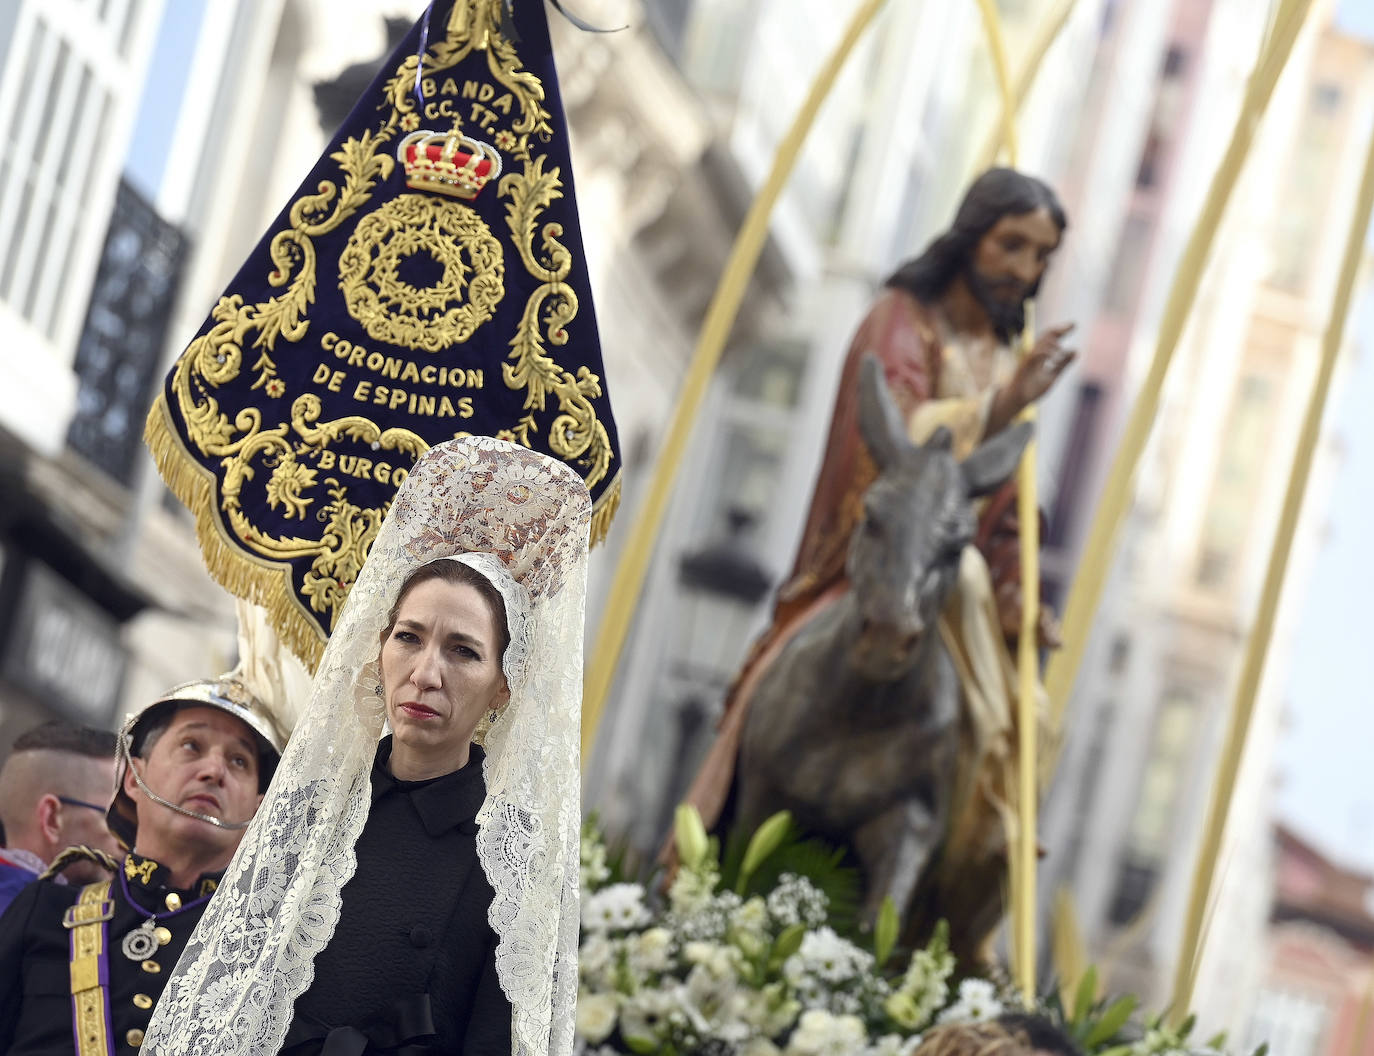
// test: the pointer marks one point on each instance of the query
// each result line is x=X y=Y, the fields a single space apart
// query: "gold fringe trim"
x=263 y=583
x=604 y=511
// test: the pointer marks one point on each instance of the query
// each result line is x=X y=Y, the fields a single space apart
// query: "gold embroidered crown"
x=448 y=163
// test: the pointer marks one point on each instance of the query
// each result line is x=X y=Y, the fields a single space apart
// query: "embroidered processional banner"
x=426 y=281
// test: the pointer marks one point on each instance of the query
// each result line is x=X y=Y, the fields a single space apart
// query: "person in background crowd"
x=82 y=967
x=54 y=790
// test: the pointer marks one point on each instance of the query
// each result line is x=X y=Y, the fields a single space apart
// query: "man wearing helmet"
x=82 y=967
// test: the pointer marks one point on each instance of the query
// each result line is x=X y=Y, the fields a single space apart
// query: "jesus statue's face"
x=1009 y=261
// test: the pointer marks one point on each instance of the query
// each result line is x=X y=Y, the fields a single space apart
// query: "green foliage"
x=1085 y=994
x=1092 y=1022
x=770 y=836
x=826 y=866
x=789 y=942
x=692 y=843
x=885 y=931
x=1109 y=1023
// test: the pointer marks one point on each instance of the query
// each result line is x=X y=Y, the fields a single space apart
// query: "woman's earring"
x=379 y=689
x=493 y=716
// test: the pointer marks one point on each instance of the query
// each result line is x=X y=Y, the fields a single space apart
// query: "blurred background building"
x=145 y=144
x=1124 y=822
x=1317 y=978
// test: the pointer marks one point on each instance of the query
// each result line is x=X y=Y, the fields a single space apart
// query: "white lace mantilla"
x=522 y=520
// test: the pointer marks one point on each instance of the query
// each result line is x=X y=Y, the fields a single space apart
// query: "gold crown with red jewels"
x=448 y=163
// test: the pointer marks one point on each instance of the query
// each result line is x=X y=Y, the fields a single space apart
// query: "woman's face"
x=441 y=672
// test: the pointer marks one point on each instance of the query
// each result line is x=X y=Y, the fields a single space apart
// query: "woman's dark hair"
x=993 y=195
x=451 y=571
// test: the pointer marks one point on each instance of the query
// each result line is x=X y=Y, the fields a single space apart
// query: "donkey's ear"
x=880 y=423
x=994 y=461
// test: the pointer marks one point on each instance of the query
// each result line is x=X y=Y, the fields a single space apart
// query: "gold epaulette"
x=80 y=854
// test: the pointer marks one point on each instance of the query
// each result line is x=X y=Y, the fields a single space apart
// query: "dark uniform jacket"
x=411 y=967
x=35 y=958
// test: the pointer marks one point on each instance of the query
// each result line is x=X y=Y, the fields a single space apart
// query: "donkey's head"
x=918 y=516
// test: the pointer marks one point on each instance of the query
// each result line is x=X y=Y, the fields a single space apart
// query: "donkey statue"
x=855 y=726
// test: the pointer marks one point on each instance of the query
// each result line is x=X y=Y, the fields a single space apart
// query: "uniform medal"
x=143 y=941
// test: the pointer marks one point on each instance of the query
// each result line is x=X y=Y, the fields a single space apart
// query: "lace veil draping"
x=522 y=520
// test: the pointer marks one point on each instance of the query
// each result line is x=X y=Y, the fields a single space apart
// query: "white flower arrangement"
x=618 y=907
x=714 y=972
x=977 y=1002
x=708 y=971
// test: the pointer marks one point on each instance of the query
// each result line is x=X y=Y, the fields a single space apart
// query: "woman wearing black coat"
x=417 y=893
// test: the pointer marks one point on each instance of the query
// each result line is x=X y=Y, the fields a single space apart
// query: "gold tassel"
x=268 y=585
x=604 y=511
x=239 y=574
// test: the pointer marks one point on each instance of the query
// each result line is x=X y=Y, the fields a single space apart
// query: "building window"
x=1120 y=654
x=668 y=21
x=1128 y=269
x=1148 y=173
x=1290 y=1024
x=1213 y=568
x=126 y=29
x=1327 y=98
x=47 y=154
x=1229 y=511
x=121 y=344
x=1073 y=469
x=1085 y=793
x=1134 y=885
x=1108 y=18
x=1152 y=826
x=772 y=374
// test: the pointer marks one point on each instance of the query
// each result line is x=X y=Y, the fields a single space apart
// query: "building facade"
x=1149 y=711
x=1317 y=982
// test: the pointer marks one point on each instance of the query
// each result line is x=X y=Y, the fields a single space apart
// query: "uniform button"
x=134 y=1037
x=420 y=936
x=174 y=901
x=151 y=967
x=162 y=935
x=143 y=1001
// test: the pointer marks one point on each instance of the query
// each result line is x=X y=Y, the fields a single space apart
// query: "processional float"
x=1099 y=549
x=427 y=280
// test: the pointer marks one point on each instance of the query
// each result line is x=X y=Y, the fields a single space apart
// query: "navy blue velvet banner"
x=426 y=281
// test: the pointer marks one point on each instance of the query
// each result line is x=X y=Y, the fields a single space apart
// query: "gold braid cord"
x=294 y=452
x=80 y=853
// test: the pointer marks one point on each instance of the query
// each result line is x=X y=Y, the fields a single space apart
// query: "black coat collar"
x=444 y=802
